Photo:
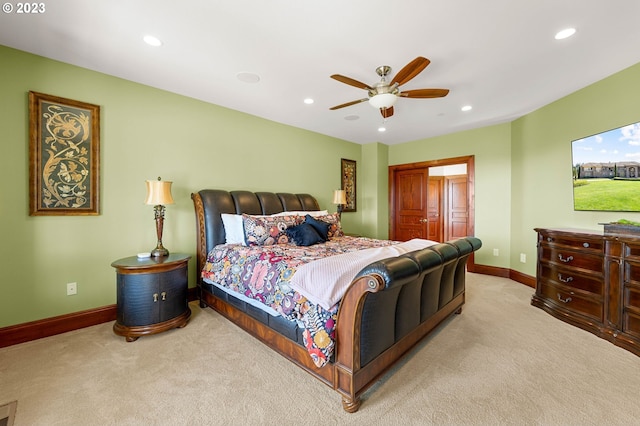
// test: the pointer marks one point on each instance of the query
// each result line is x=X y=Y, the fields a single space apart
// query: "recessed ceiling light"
x=152 y=41
x=466 y=108
x=308 y=101
x=248 y=77
x=567 y=32
x=382 y=129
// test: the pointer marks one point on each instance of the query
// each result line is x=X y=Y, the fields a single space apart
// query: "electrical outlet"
x=72 y=288
x=496 y=252
x=523 y=258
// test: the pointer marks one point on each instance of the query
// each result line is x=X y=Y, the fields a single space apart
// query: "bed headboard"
x=210 y=203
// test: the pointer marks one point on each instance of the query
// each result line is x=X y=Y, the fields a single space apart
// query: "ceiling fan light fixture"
x=383 y=100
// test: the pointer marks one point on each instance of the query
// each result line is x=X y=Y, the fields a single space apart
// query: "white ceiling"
x=499 y=56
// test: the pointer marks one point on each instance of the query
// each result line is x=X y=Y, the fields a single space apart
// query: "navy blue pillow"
x=304 y=235
x=320 y=226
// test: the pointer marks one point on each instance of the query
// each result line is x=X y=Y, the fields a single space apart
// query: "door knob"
x=423 y=220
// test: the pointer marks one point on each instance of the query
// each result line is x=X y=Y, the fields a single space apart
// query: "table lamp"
x=159 y=194
x=340 y=198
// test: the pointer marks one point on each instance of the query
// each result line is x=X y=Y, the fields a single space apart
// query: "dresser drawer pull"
x=567 y=300
x=565 y=260
x=565 y=280
x=585 y=245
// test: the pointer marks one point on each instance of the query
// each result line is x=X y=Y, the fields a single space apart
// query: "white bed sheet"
x=244 y=298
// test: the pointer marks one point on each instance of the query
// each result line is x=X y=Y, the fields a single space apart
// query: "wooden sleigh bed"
x=389 y=306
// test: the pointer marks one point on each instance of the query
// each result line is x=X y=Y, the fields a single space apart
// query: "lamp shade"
x=158 y=192
x=383 y=100
x=339 y=196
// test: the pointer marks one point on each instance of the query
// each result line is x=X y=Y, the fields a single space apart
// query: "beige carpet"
x=501 y=362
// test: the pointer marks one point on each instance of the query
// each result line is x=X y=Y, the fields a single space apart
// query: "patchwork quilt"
x=264 y=273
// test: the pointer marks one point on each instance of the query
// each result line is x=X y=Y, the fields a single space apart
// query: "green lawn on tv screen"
x=606 y=195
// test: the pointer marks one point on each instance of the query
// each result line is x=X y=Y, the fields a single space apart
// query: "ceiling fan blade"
x=349 y=104
x=351 y=82
x=386 y=112
x=410 y=70
x=424 y=93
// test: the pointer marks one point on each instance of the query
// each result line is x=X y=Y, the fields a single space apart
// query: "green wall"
x=146 y=133
x=374 y=190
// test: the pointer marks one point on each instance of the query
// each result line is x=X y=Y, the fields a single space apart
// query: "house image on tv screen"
x=626 y=169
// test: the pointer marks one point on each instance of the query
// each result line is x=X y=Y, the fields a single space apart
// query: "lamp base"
x=159 y=252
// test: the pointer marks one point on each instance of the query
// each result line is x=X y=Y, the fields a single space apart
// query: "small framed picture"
x=348 y=179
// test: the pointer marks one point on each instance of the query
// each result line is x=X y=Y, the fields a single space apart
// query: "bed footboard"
x=391 y=305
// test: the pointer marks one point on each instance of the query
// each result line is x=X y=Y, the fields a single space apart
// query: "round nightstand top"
x=133 y=262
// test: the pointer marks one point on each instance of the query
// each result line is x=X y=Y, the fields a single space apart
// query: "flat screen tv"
x=606 y=170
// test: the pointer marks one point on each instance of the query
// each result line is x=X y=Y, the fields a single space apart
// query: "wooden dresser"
x=591 y=279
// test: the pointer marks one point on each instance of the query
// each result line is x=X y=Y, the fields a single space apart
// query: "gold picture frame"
x=348 y=183
x=64 y=156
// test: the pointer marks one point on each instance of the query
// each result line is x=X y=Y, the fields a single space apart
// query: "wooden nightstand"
x=152 y=295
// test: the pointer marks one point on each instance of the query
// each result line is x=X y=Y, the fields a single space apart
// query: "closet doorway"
x=432 y=199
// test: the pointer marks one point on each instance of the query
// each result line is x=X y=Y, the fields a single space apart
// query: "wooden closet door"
x=435 y=226
x=410 y=204
x=457 y=207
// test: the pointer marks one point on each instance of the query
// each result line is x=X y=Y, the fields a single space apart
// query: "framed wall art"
x=348 y=179
x=64 y=156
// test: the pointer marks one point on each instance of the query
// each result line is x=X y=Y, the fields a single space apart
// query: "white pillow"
x=312 y=213
x=233 y=228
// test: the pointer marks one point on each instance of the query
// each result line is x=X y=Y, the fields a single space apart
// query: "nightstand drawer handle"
x=164 y=295
x=567 y=300
x=565 y=260
x=565 y=280
x=155 y=297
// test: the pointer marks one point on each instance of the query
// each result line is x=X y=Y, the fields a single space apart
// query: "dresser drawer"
x=569 y=278
x=632 y=272
x=632 y=298
x=631 y=250
x=571 y=258
x=571 y=301
x=574 y=241
x=632 y=324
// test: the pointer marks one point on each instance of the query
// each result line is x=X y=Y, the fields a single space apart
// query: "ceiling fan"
x=384 y=94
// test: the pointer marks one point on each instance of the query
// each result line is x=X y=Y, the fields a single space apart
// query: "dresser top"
x=586 y=233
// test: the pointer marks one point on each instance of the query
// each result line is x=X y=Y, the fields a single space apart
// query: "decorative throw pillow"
x=322 y=228
x=267 y=231
x=304 y=235
x=335 y=228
